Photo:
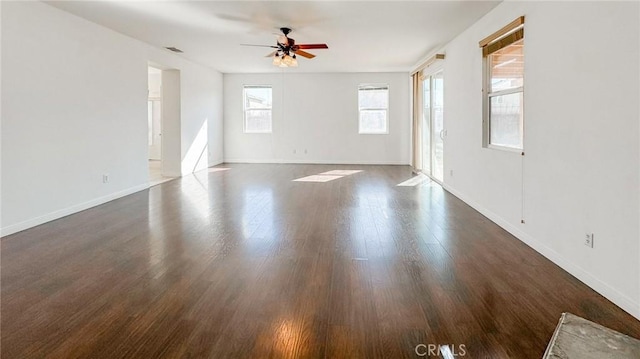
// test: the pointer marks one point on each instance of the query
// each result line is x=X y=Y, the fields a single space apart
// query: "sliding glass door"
x=433 y=125
x=426 y=125
x=437 y=124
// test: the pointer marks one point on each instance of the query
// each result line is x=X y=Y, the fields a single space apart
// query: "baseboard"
x=215 y=162
x=314 y=162
x=14 y=228
x=623 y=301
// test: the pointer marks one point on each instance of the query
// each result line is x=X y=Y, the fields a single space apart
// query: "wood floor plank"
x=240 y=261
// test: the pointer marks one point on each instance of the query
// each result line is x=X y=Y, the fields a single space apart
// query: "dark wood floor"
x=247 y=263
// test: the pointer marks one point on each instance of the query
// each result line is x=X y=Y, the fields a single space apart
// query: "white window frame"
x=486 y=104
x=245 y=109
x=386 y=110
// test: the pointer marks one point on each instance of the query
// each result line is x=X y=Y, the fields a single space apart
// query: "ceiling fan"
x=287 y=49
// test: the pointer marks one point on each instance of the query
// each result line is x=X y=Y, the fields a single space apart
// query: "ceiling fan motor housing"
x=285 y=30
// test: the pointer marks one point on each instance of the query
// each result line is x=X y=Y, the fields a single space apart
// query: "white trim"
x=172 y=174
x=504 y=148
x=510 y=91
x=216 y=161
x=374 y=133
x=418 y=66
x=313 y=162
x=621 y=300
x=14 y=228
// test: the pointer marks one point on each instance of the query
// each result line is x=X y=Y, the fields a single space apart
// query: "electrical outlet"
x=588 y=240
x=294 y=152
x=305 y=151
x=451 y=173
x=105 y=178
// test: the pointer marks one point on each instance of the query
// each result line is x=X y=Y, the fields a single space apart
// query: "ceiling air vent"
x=174 y=49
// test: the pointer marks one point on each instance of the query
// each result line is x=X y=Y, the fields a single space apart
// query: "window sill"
x=505 y=148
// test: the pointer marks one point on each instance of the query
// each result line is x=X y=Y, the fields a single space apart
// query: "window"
x=503 y=90
x=257 y=109
x=373 y=105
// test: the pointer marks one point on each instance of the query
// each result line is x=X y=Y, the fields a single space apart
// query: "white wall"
x=317 y=113
x=74 y=108
x=580 y=172
x=171 y=111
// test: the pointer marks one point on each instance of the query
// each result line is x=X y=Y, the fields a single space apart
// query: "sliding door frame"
x=428 y=74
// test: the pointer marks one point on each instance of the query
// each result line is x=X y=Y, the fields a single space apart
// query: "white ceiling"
x=363 y=36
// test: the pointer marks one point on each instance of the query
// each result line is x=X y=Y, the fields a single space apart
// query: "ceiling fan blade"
x=313 y=46
x=272 y=54
x=274 y=47
x=304 y=54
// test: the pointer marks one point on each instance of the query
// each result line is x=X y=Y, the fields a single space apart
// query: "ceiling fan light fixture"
x=283 y=60
x=289 y=61
x=286 y=48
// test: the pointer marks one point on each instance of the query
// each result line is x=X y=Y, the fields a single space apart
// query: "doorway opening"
x=154 y=121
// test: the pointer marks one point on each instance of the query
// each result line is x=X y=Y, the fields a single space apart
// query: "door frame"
x=171 y=120
x=152 y=127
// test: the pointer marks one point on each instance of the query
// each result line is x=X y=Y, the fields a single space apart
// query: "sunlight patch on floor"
x=218 y=169
x=327 y=176
x=340 y=172
x=414 y=181
x=317 y=178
